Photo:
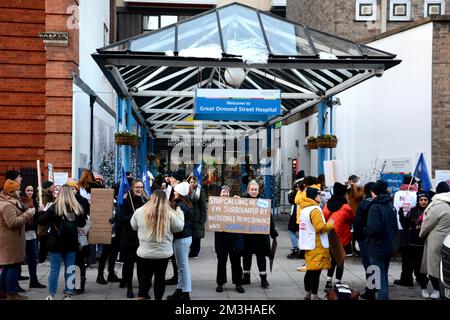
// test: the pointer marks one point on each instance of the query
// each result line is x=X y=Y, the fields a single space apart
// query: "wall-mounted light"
x=235 y=76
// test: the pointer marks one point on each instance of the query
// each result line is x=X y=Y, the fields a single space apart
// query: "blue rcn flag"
x=123 y=188
x=146 y=181
x=421 y=172
x=198 y=172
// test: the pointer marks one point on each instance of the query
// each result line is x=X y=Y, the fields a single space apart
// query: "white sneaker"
x=302 y=268
x=50 y=297
x=425 y=294
x=435 y=295
x=67 y=297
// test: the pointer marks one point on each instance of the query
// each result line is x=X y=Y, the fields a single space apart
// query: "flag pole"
x=38 y=165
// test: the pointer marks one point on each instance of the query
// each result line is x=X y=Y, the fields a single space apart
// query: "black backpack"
x=68 y=229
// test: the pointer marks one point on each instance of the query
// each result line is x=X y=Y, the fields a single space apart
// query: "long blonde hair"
x=157 y=215
x=66 y=202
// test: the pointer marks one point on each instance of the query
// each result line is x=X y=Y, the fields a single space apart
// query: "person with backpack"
x=65 y=216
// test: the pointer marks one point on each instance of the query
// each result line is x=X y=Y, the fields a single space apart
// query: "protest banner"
x=239 y=215
x=102 y=201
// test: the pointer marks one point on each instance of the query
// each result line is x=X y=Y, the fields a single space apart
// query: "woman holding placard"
x=258 y=244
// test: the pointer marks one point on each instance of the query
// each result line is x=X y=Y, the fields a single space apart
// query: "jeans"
x=182 y=247
x=9 y=278
x=31 y=249
x=55 y=266
x=294 y=239
x=383 y=264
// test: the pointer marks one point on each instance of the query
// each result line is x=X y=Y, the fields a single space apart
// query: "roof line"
x=412 y=25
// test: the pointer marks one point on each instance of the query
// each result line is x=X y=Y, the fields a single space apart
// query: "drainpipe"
x=126 y=149
x=321 y=154
x=91 y=138
x=383 y=16
x=118 y=119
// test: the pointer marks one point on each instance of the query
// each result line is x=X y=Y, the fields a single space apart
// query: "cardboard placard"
x=239 y=215
x=102 y=201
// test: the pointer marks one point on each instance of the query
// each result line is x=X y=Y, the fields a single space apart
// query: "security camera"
x=379 y=73
x=133 y=89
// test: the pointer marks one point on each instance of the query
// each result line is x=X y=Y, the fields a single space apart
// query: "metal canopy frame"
x=305 y=64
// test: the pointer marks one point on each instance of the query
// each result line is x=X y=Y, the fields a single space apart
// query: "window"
x=434 y=7
x=150 y=23
x=366 y=10
x=306 y=129
x=400 y=10
x=105 y=35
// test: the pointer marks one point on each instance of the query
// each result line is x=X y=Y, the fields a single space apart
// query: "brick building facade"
x=338 y=17
x=36 y=85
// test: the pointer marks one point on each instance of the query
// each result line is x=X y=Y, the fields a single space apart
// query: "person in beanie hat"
x=382 y=231
x=412 y=255
x=313 y=239
x=13 y=217
x=338 y=209
x=442 y=187
x=182 y=242
x=14 y=176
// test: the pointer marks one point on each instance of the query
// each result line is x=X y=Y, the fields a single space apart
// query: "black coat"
x=381 y=228
x=293 y=225
x=259 y=244
x=411 y=225
x=57 y=243
x=361 y=219
x=129 y=241
x=188 y=215
x=225 y=243
x=199 y=215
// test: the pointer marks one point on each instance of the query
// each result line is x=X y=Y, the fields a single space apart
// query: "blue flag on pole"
x=123 y=188
x=421 y=172
x=198 y=172
x=146 y=181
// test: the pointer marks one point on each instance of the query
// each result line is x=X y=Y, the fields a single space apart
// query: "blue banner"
x=394 y=180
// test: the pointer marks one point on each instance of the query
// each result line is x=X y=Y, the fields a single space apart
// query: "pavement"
x=286 y=283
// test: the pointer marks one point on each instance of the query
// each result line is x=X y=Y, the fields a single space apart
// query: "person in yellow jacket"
x=313 y=239
x=300 y=197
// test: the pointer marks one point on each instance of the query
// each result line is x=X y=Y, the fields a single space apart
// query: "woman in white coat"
x=435 y=227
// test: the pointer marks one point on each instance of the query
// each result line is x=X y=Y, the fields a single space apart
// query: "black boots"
x=82 y=286
x=264 y=282
x=246 y=278
x=178 y=295
x=37 y=285
x=101 y=279
x=112 y=277
x=293 y=254
x=130 y=294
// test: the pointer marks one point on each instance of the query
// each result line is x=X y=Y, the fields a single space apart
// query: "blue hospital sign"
x=235 y=104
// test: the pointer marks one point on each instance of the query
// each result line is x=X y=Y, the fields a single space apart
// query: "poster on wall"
x=442 y=175
x=239 y=215
x=394 y=171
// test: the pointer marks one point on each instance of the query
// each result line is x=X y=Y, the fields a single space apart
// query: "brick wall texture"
x=35 y=86
x=441 y=96
x=338 y=17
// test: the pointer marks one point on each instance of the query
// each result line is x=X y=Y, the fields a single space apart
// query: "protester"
x=258 y=244
x=412 y=255
x=232 y=245
x=155 y=223
x=435 y=227
x=198 y=200
x=65 y=216
x=42 y=230
x=340 y=212
x=13 y=218
x=381 y=230
x=182 y=242
x=29 y=200
x=129 y=240
x=293 y=225
x=313 y=239
x=358 y=234
x=174 y=179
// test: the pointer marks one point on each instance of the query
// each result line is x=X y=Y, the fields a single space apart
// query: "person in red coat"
x=338 y=209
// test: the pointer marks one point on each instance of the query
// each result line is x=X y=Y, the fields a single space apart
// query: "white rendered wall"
x=390 y=116
x=93 y=15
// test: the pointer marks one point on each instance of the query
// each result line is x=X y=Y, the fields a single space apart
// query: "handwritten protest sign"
x=239 y=215
x=101 y=212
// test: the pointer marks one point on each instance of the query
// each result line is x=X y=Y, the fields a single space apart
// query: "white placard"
x=442 y=175
x=334 y=172
x=398 y=165
x=60 y=178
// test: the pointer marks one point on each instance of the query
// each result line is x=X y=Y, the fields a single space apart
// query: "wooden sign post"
x=102 y=202
x=239 y=215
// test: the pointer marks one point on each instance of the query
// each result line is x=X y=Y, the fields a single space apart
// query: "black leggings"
x=312 y=279
x=109 y=252
x=80 y=260
x=128 y=270
x=435 y=282
x=149 y=268
x=339 y=271
x=260 y=261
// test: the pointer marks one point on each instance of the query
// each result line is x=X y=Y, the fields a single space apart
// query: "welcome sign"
x=237 y=104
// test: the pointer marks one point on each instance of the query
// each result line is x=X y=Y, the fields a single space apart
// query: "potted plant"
x=327 y=141
x=126 y=138
x=312 y=143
